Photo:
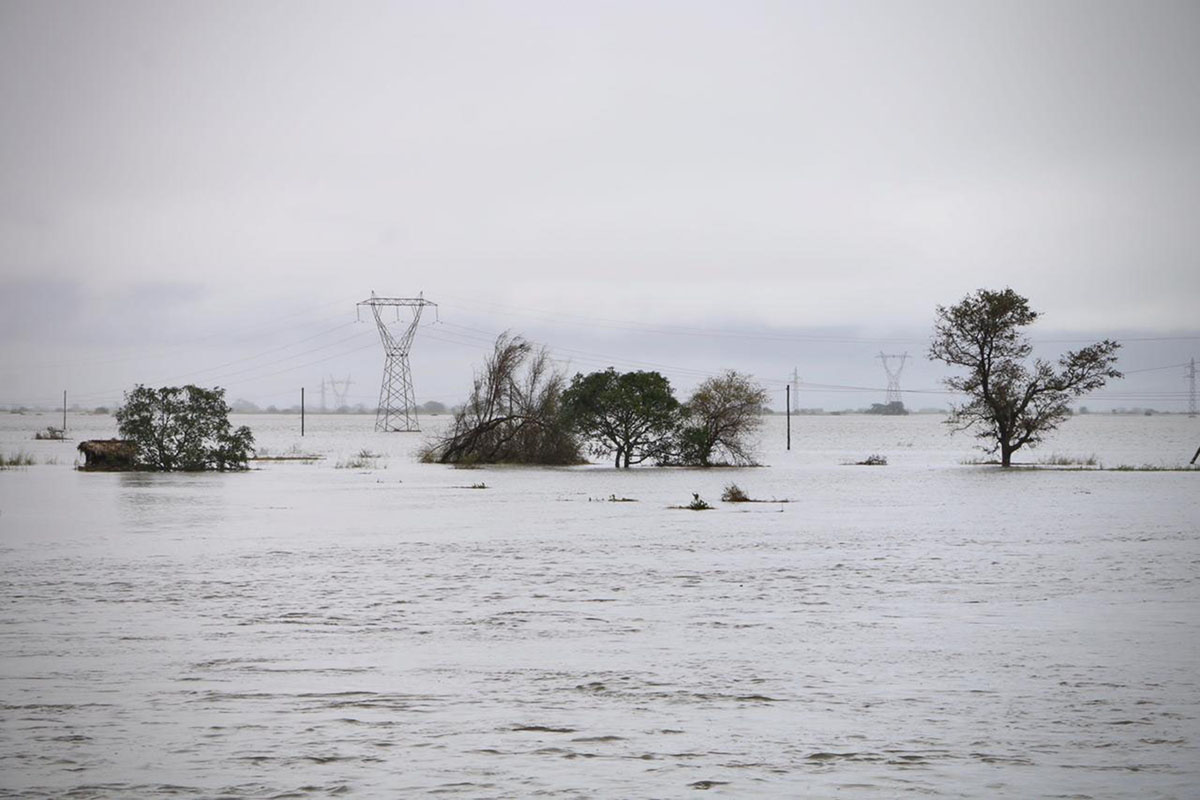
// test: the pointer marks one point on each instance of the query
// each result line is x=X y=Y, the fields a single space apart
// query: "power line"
x=691 y=330
x=224 y=377
x=237 y=335
x=477 y=336
x=591 y=322
x=1154 y=369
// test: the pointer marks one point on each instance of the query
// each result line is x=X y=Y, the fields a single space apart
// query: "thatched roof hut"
x=108 y=454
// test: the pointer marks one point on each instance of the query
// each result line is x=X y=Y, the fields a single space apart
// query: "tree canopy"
x=183 y=429
x=1009 y=404
x=630 y=414
x=721 y=420
x=521 y=410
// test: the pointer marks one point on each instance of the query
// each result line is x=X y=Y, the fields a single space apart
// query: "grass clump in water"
x=1151 y=468
x=364 y=459
x=1057 y=460
x=51 y=433
x=697 y=504
x=873 y=460
x=16 y=460
x=293 y=453
x=975 y=461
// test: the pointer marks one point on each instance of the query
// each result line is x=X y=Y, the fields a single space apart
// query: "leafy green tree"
x=183 y=429
x=1010 y=405
x=721 y=420
x=631 y=414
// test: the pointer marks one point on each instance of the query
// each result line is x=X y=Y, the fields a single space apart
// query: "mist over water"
x=928 y=628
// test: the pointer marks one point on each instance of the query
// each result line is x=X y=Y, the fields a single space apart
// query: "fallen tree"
x=513 y=415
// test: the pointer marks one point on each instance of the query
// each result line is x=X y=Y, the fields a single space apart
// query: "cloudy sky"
x=201 y=191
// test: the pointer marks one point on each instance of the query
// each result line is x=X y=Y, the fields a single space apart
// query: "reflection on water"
x=302 y=630
x=155 y=503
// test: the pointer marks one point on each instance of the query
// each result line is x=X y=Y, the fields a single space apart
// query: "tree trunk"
x=626 y=459
x=1006 y=452
x=618 y=462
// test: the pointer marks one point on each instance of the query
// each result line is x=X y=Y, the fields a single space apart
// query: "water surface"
x=927 y=628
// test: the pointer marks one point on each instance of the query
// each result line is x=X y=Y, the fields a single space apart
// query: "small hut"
x=108 y=454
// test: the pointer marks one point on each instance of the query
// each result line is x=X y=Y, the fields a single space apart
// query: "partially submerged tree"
x=1010 y=405
x=631 y=414
x=183 y=429
x=721 y=420
x=513 y=415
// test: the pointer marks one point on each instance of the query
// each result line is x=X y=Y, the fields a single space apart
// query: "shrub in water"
x=734 y=494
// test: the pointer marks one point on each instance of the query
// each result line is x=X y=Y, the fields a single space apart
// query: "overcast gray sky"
x=189 y=184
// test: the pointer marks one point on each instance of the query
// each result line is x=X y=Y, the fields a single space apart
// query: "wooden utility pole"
x=301 y=410
x=789 y=417
x=64 y=411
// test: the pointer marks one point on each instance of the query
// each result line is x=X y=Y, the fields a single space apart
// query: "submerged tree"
x=513 y=415
x=721 y=420
x=183 y=429
x=1010 y=405
x=631 y=414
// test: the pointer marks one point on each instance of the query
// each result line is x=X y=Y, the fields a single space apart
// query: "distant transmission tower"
x=1192 y=392
x=339 y=389
x=397 y=402
x=795 y=390
x=893 y=390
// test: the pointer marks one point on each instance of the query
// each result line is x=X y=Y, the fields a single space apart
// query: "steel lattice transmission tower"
x=397 y=401
x=893 y=389
x=339 y=388
x=1192 y=393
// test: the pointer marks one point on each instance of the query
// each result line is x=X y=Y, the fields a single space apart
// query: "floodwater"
x=926 y=628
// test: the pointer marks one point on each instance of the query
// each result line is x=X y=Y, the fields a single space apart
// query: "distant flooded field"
x=369 y=626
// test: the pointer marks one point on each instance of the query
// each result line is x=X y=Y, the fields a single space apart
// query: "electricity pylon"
x=339 y=389
x=339 y=395
x=1192 y=393
x=397 y=401
x=893 y=390
x=795 y=390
